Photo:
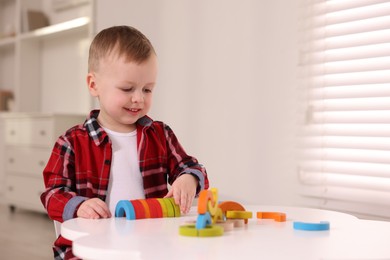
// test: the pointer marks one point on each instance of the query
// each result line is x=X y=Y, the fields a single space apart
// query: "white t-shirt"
x=125 y=176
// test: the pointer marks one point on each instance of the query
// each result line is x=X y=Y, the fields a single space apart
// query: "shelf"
x=68 y=26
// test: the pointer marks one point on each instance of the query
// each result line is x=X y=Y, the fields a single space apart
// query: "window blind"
x=345 y=74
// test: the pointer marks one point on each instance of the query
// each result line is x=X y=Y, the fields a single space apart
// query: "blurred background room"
x=284 y=102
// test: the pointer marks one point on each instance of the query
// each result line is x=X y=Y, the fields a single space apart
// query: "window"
x=345 y=137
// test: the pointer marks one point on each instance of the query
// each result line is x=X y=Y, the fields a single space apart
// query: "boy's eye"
x=147 y=90
x=127 y=89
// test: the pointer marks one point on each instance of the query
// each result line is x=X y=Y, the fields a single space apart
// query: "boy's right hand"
x=93 y=209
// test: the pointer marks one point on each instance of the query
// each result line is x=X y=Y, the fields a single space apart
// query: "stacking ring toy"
x=208 y=231
x=125 y=207
x=323 y=225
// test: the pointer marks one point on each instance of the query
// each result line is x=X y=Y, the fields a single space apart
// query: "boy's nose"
x=136 y=97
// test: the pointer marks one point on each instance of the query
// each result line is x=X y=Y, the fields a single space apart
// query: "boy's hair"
x=124 y=40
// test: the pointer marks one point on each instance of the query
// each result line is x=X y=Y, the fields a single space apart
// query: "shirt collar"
x=97 y=133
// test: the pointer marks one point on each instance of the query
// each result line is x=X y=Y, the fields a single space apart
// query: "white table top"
x=118 y=238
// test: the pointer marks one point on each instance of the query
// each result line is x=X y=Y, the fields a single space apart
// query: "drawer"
x=26 y=160
x=24 y=192
x=27 y=131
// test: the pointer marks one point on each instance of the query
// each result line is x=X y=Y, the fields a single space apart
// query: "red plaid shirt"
x=79 y=167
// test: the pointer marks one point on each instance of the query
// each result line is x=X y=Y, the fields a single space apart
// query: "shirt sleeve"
x=59 y=199
x=179 y=162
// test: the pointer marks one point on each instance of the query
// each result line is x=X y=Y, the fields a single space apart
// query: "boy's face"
x=124 y=90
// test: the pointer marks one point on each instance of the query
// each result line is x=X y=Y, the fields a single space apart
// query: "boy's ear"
x=91 y=83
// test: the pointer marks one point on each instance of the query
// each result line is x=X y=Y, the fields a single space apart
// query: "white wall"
x=226 y=86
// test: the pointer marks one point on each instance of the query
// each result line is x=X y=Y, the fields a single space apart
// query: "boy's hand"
x=183 y=190
x=93 y=208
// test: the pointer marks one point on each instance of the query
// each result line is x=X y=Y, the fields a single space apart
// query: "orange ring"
x=146 y=207
x=277 y=216
x=203 y=199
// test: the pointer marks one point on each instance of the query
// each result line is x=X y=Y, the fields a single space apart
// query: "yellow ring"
x=209 y=231
x=188 y=230
x=163 y=207
x=176 y=207
x=239 y=214
x=170 y=209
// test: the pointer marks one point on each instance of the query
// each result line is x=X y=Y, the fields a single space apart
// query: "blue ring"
x=203 y=220
x=322 y=225
x=125 y=207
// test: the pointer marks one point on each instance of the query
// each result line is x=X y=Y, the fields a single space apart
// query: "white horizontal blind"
x=345 y=70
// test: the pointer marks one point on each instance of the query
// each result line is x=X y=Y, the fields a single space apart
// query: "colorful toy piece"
x=238 y=214
x=168 y=210
x=204 y=197
x=147 y=208
x=155 y=208
x=208 y=231
x=139 y=209
x=277 y=216
x=203 y=220
x=227 y=225
x=125 y=207
x=208 y=214
x=230 y=205
x=226 y=206
x=322 y=225
x=176 y=208
x=237 y=223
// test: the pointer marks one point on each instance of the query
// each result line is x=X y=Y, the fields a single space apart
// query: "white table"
x=118 y=238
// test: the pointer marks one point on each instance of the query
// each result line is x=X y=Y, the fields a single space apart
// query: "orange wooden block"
x=277 y=216
x=230 y=205
x=203 y=201
x=146 y=207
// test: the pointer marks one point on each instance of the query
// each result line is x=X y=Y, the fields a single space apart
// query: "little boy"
x=119 y=152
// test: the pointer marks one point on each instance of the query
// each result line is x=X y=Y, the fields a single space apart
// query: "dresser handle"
x=42 y=132
x=41 y=163
x=12 y=132
x=11 y=160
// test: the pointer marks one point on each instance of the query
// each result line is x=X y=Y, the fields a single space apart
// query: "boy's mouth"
x=133 y=109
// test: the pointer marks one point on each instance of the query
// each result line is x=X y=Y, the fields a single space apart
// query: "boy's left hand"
x=183 y=190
